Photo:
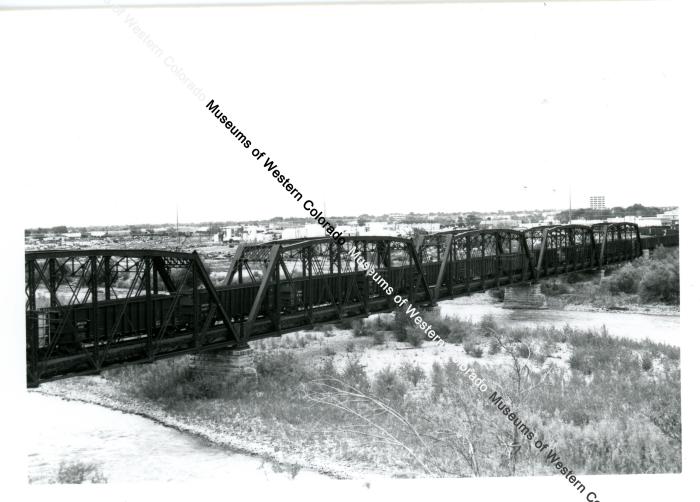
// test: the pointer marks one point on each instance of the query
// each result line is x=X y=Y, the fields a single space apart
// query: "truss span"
x=88 y=310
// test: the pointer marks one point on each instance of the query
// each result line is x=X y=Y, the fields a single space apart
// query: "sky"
x=367 y=108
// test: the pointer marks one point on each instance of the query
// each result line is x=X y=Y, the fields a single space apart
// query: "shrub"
x=578 y=361
x=497 y=293
x=647 y=362
x=279 y=369
x=494 y=346
x=487 y=324
x=378 y=338
x=328 y=369
x=661 y=283
x=523 y=350
x=359 y=328
x=388 y=385
x=415 y=337
x=345 y=323
x=573 y=277
x=555 y=288
x=412 y=372
x=329 y=351
x=78 y=472
x=455 y=337
x=355 y=374
x=624 y=280
x=473 y=349
x=350 y=347
x=401 y=324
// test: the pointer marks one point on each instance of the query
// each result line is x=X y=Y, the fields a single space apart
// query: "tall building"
x=597 y=201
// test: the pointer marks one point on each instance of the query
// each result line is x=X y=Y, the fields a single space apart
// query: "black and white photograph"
x=349 y=249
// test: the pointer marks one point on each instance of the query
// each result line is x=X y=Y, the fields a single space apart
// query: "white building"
x=597 y=201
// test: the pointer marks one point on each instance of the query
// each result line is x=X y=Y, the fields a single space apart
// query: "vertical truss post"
x=483 y=262
x=468 y=264
x=196 y=273
x=52 y=282
x=155 y=276
x=277 y=316
x=32 y=327
x=451 y=269
x=340 y=296
x=365 y=280
x=108 y=277
x=499 y=258
x=94 y=309
x=149 y=304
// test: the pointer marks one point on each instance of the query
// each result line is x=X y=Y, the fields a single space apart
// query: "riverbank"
x=643 y=286
x=99 y=391
x=375 y=401
x=629 y=308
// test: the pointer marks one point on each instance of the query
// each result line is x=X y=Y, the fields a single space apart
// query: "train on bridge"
x=87 y=310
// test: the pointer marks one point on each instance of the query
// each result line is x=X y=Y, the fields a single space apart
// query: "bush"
x=494 y=346
x=579 y=362
x=401 y=324
x=437 y=377
x=573 y=277
x=378 y=338
x=497 y=293
x=487 y=325
x=345 y=323
x=415 y=337
x=647 y=362
x=78 y=472
x=523 y=350
x=473 y=349
x=555 y=288
x=388 y=385
x=355 y=374
x=279 y=369
x=660 y=283
x=624 y=280
x=359 y=328
x=412 y=372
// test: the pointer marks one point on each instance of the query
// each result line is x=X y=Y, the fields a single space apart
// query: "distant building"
x=597 y=202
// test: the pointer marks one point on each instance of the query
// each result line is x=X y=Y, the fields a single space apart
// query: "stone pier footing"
x=524 y=297
x=228 y=366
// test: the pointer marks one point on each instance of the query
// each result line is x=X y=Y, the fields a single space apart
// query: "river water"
x=658 y=328
x=130 y=448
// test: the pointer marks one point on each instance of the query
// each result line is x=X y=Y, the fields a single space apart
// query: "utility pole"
x=177 y=226
x=569 y=203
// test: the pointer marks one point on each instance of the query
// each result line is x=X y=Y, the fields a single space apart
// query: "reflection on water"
x=659 y=328
x=130 y=448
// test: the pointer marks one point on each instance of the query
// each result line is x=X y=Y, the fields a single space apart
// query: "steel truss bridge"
x=87 y=310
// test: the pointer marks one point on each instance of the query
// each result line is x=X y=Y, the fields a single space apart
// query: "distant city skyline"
x=344 y=216
x=122 y=140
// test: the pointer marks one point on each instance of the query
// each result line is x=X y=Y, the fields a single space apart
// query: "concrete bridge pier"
x=229 y=366
x=524 y=297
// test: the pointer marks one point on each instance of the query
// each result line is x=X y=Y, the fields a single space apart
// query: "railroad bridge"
x=90 y=309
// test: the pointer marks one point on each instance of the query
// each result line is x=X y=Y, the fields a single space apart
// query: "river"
x=130 y=448
x=658 y=328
